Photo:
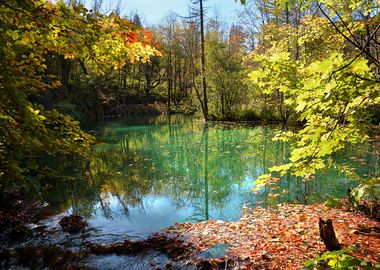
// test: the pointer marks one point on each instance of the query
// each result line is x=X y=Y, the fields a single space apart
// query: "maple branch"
x=355 y=108
x=345 y=25
x=367 y=79
x=356 y=57
x=363 y=49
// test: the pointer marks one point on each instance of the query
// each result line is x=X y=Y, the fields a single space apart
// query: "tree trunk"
x=65 y=70
x=327 y=233
x=203 y=62
x=169 y=80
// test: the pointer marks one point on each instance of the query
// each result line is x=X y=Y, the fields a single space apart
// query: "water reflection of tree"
x=186 y=165
x=196 y=165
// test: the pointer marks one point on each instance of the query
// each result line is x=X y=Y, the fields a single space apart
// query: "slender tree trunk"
x=169 y=79
x=118 y=92
x=175 y=70
x=222 y=101
x=203 y=62
x=125 y=77
x=65 y=70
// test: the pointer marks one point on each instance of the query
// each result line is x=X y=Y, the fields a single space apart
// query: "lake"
x=150 y=173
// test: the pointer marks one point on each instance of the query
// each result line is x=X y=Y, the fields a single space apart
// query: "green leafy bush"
x=340 y=259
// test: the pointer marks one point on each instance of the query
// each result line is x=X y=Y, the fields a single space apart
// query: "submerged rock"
x=73 y=223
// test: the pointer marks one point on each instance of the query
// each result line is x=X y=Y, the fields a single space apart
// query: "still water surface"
x=151 y=173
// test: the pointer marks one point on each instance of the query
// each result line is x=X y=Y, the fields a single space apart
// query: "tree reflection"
x=207 y=169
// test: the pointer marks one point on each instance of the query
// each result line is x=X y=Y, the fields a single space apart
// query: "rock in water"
x=73 y=223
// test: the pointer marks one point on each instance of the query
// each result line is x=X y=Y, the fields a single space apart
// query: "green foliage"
x=37 y=144
x=340 y=259
x=328 y=96
x=225 y=73
x=365 y=192
x=334 y=91
x=248 y=115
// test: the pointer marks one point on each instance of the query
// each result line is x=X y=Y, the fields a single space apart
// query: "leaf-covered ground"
x=282 y=238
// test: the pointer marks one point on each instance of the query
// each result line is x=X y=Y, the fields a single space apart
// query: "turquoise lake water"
x=150 y=173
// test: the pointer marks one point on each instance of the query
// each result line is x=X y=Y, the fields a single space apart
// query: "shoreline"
x=274 y=238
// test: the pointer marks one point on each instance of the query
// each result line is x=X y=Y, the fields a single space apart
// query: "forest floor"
x=283 y=237
x=273 y=238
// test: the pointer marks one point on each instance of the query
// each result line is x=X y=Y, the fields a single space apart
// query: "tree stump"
x=327 y=233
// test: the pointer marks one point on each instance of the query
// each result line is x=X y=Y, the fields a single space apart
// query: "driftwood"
x=327 y=233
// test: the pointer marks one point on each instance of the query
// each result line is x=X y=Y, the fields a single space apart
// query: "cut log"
x=327 y=233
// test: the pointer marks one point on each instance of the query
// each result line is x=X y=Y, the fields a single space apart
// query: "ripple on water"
x=149 y=260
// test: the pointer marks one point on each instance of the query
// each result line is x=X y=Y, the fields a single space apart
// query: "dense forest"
x=312 y=67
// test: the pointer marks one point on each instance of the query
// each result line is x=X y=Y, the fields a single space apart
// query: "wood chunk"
x=327 y=233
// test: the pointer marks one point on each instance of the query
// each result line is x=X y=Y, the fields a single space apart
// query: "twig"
x=356 y=57
x=375 y=61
